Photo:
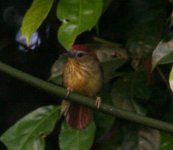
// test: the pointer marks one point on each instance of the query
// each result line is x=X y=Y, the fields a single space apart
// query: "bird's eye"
x=79 y=55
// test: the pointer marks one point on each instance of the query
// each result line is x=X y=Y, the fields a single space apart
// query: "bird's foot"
x=98 y=102
x=69 y=90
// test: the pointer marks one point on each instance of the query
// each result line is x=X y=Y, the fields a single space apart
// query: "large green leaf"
x=163 y=53
x=29 y=132
x=77 y=16
x=35 y=16
x=71 y=139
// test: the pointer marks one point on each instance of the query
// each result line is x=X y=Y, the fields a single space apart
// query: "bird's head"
x=81 y=54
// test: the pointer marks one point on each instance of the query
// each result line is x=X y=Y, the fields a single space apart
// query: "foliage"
x=30 y=131
x=30 y=24
x=81 y=139
x=163 y=53
x=137 y=73
x=74 y=19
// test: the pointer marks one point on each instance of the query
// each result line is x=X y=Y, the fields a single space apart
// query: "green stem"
x=74 y=97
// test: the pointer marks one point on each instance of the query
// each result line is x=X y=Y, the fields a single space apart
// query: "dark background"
x=120 y=23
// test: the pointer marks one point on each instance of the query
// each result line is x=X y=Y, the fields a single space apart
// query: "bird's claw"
x=69 y=90
x=98 y=102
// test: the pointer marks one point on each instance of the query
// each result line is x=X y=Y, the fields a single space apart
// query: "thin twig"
x=74 y=97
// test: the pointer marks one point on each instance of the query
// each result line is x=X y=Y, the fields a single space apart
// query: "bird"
x=82 y=74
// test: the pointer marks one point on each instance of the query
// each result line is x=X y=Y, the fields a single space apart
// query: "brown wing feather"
x=78 y=116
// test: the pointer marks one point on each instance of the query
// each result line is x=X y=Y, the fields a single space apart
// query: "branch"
x=74 y=97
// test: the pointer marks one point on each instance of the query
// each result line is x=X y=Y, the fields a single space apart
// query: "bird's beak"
x=70 y=54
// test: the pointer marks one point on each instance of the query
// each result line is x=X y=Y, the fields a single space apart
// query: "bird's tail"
x=78 y=116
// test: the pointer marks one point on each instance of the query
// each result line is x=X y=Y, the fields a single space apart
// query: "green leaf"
x=163 y=53
x=166 y=141
x=130 y=89
x=77 y=16
x=29 y=132
x=34 y=17
x=171 y=79
x=109 y=68
x=121 y=95
x=71 y=139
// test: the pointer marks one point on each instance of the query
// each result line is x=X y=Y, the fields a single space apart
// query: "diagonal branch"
x=74 y=97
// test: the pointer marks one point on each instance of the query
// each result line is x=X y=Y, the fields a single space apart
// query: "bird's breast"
x=82 y=80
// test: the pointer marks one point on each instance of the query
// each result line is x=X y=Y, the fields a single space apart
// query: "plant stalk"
x=74 y=97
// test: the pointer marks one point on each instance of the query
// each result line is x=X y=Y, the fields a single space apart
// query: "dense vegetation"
x=135 y=42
